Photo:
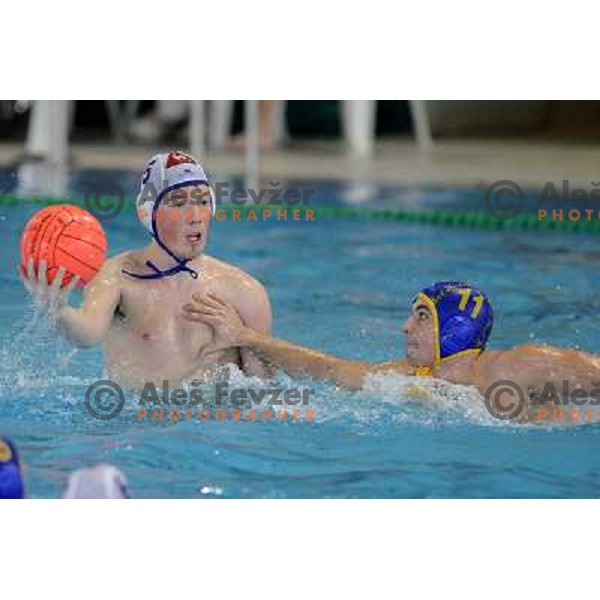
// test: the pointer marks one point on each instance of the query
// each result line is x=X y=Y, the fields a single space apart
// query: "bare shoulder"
x=491 y=362
x=233 y=279
x=115 y=263
x=104 y=291
x=529 y=352
x=110 y=272
x=242 y=291
x=535 y=361
x=555 y=357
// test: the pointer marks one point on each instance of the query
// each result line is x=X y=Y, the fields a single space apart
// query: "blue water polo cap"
x=462 y=317
x=11 y=481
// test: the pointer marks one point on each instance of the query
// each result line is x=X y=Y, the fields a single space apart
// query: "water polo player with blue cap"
x=450 y=320
x=446 y=335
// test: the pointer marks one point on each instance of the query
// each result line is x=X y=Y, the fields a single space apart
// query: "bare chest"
x=153 y=313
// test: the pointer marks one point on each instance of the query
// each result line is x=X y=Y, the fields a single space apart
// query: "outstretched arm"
x=300 y=361
x=297 y=361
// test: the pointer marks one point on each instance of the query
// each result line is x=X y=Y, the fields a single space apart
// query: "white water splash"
x=429 y=393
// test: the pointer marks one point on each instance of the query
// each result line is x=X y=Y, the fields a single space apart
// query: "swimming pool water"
x=343 y=286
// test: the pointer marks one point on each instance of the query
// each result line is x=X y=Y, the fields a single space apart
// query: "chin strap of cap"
x=423 y=371
x=180 y=267
x=181 y=263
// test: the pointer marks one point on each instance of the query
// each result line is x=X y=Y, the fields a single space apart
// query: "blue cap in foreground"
x=11 y=481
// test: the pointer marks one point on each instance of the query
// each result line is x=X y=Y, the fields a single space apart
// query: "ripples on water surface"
x=345 y=287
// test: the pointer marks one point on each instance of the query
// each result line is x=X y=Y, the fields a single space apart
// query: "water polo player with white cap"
x=165 y=175
x=134 y=306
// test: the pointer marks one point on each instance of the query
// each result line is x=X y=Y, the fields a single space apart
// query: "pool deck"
x=455 y=162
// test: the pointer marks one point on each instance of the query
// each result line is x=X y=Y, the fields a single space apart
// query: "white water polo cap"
x=163 y=174
x=98 y=482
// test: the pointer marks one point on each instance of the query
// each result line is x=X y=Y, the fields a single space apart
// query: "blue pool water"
x=343 y=286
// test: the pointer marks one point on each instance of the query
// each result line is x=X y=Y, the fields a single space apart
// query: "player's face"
x=183 y=220
x=419 y=333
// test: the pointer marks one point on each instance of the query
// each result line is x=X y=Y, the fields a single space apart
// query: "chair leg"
x=221 y=113
x=252 y=144
x=197 y=128
x=280 y=126
x=115 y=120
x=420 y=120
x=358 y=120
x=48 y=131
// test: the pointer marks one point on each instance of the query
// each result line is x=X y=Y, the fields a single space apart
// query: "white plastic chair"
x=359 y=125
x=47 y=141
x=50 y=125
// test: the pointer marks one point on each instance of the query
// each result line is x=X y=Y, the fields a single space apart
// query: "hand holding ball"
x=67 y=239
